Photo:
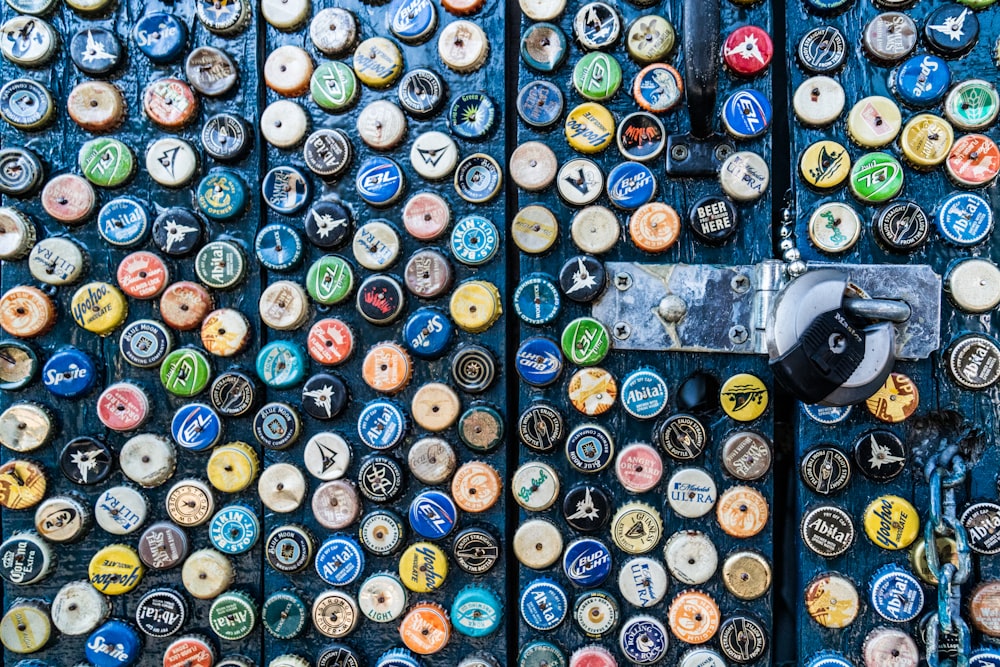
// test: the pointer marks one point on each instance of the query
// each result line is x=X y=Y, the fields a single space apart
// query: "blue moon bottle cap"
x=69 y=373
x=339 y=560
x=161 y=36
x=433 y=514
x=476 y=611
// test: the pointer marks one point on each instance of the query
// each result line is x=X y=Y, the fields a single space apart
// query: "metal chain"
x=788 y=243
x=944 y=473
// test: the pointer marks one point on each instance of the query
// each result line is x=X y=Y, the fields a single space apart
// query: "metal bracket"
x=713 y=308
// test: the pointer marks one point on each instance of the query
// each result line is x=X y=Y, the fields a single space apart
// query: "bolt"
x=722 y=151
x=740 y=283
x=739 y=334
x=622 y=330
x=679 y=152
x=623 y=281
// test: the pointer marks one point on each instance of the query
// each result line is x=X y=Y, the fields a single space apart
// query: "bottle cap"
x=114 y=643
x=189 y=651
x=170 y=103
x=284 y=615
x=694 y=617
x=541 y=427
x=544 y=47
x=382 y=532
x=423 y=567
x=95 y=51
x=973 y=361
x=534 y=229
x=161 y=612
x=974 y=161
x=69 y=373
x=889 y=37
x=288 y=69
x=381 y=479
x=891 y=522
x=120 y=510
x=964 y=219
x=86 y=461
x=414 y=21
x=742 y=511
x=99 y=307
x=160 y=36
x=26 y=104
x=650 y=39
x=281 y=487
x=227 y=19
x=25 y=559
x=543 y=604
x=115 y=569
x=425 y=628
x=377 y=62
x=590 y=128
x=382 y=598
x=382 y=125
x=691 y=557
x=747 y=50
x=232 y=616
x=177 y=231
x=818 y=101
x=920 y=80
x=463 y=46
x=744 y=176
x=225 y=136
x=476 y=550
x=473 y=116
x=336 y=504
x=284 y=124
x=476 y=611
x=96 y=106
x=62 y=518
x=278 y=247
x=285 y=16
x=972 y=104
x=951 y=31
x=636 y=528
x=476 y=487
x=832 y=600
x=78 y=608
x=535 y=486
x=643 y=640
x=123 y=222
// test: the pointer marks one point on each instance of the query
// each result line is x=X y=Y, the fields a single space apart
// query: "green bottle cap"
x=597 y=76
x=284 y=615
x=585 y=341
x=106 y=162
x=330 y=280
x=972 y=104
x=220 y=265
x=222 y=195
x=876 y=177
x=185 y=372
x=334 y=86
x=232 y=615
x=977 y=4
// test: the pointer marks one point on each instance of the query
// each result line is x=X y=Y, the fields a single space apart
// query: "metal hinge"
x=713 y=308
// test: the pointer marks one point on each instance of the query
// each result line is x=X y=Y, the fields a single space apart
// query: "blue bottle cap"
x=222 y=194
x=196 y=426
x=278 y=247
x=587 y=562
x=630 y=185
x=539 y=361
x=985 y=657
x=965 y=219
x=921 y=81
x=540 y=103
x=537 y=300
x=123 y=222
x=829 y=659
x=95 y=51
x=476 y=611
x=69 y=373
x=286 y=189
x=433 y=514
x=589 y=448
x=951 y=30
x=544 y=47
x=397 y=657
x=161 y=36
x=643 y=640
x=474 y=240
x=746 y=114
x=276 y=425
x=234 y=529
x=896 y=594
x=414 y=20
x=473 y=116
x=381 y=424
x=380 y=181
x=114 y=644
x=339 y=560
x=543 y=604
x=428 y=333
x=830 y=6
x=826 y=415
x=281 y=364
x=541 y=654
x=643 y=393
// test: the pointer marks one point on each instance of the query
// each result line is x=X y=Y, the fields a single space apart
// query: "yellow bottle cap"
x=746 y=574
x=25 y=628
x=947 y=549
x=115 y=569
x=233 y=467
x=744 y=397
x=742 y=511
x=99 y=307
x=926 y=140
x=592 y=391
x=694 y=617
x=590 y=128
x=874 y=121
x=895 y=400
x=825 y=165
x=425 y=628
x=476 y=486
x=22 y=484
x=378 y=62
x=423 y=567
x=891 y=522
x=832 y=601
x=475 y=305
x=636 y=528
x=534 y=229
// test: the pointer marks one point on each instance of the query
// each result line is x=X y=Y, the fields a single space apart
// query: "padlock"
x=827 y=343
